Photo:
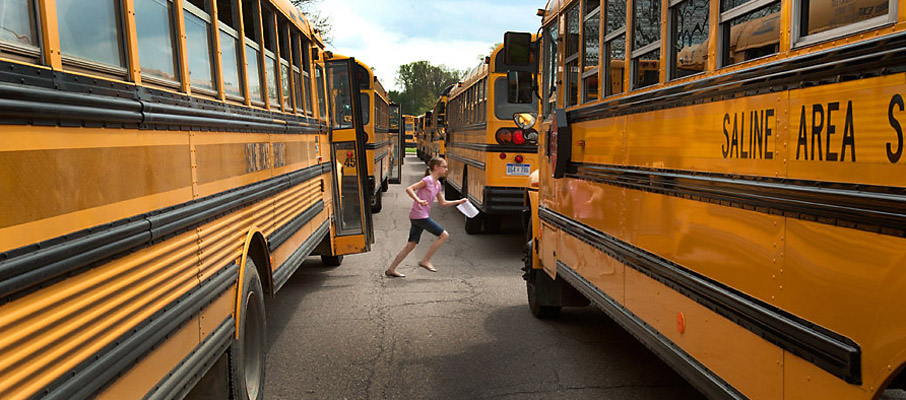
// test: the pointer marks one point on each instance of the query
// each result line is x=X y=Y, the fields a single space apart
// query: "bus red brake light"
x=503 y=156
x=518 y=137
x=519 y=159
x=504 y=136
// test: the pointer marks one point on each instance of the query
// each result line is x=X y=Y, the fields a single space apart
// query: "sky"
x=385 y=34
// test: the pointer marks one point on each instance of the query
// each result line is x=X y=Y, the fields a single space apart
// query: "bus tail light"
x=503 y=156
x=504 y=136
x=519 y=159
x=518 y=137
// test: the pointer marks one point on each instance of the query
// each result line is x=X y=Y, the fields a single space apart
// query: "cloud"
x=455 y=33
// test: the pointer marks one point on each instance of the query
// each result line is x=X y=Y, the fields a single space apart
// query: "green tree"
x=318 y=21
x=422 y=84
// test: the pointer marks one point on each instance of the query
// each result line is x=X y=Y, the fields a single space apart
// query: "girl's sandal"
x=428 y=267
x=394 y=274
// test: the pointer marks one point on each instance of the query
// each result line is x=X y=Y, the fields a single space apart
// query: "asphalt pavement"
x=464 y=332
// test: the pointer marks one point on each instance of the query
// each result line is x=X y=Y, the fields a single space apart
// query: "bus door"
x=397 y=144
x=353 y=230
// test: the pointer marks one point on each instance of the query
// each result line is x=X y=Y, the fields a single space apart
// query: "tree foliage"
x=422 y=84
x=318 y=21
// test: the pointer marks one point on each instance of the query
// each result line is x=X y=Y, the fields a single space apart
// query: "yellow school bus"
x=435 y=138
x=741 y=212
x=488 y=156
x=376 y=118
x=397 y=139
x=164 y=166
x=423 y=139
x=410 y=122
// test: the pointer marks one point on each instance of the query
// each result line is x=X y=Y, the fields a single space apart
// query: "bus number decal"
x=894 y=156
x=824 y=123
x=759 y=141
x=350 y=160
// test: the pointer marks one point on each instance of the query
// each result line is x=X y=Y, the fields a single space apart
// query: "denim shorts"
x=419 y=225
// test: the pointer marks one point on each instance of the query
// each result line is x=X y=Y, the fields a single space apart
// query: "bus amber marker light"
x=680 y=322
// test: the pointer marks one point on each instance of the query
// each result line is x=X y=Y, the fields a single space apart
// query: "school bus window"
x=306 y=75
x=520 y=88
x=284 y=65
x=748 y=33
x=341 y=107
x=572 y=56
x=470 y=93
x=841 y=17
x=322 y=106
x=270 y=57
x=18 y=28
x=93 y=34
x=366 y=108
x=614 y=69
x=483 y=100
x=646 y=68
x=198 y=46
x=592 y=23
x=549 y=66
x=297 y=73
x=689 y=38
x=227 y=14
x=252 y=30
x=646 y=34
x=156 y=41
x=614 y=46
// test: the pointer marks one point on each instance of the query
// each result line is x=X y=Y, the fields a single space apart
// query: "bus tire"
x=532 y=289
x=247 y=352
x=331 y=261
x=492 y=223
x=473 y=225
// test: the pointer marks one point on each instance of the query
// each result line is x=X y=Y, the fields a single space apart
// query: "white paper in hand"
x=468 y=209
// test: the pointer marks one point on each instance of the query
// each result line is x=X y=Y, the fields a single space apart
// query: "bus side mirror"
x=517 y=49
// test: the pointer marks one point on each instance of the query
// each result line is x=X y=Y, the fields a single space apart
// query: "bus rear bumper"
x=504 y=200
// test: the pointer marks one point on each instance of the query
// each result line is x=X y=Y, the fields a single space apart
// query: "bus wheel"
x=378 y=203
x=473 y=225
x=492 y=223
x=331 y=261
x=536 y=282
x=247 y=353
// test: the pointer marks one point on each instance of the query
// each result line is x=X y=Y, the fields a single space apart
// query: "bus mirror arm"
x=536 y=90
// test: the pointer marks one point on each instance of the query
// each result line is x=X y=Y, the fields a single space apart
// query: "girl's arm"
x=444 y=203
x=411 y=192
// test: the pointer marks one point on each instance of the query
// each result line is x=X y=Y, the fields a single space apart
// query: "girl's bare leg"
x=434 y=246
x=399 y=257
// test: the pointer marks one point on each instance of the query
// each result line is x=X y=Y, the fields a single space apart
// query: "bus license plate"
x=518 y=169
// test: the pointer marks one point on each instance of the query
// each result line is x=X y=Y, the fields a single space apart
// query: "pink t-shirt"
x=427 y=193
